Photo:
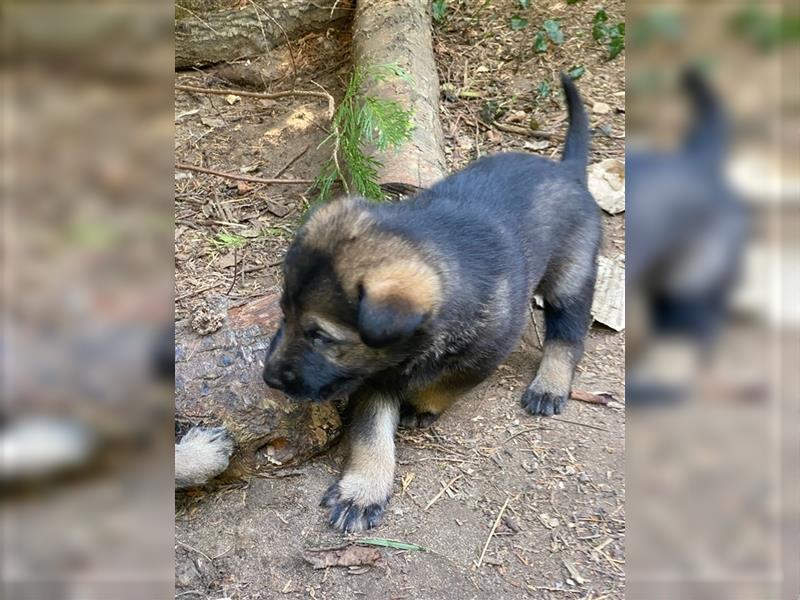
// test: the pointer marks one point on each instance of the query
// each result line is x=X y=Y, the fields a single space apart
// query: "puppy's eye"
x=319 y=338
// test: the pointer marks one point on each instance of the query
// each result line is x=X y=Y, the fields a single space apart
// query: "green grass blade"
x=397 y=545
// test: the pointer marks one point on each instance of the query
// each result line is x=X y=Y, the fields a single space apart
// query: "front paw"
x=542 y=402
x=349 y=510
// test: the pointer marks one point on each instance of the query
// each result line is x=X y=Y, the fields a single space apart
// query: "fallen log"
x=218 y=382
x=398 y=32
x=214 y=31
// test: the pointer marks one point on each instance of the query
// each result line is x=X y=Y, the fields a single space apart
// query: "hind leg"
x=567 y=318
x=425 y=406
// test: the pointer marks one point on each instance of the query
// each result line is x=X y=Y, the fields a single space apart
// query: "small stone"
x=536 y=145
x=512 y=524
x=517 y=116
x=601 y=108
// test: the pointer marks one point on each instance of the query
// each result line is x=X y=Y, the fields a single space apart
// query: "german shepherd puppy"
x=404 y=307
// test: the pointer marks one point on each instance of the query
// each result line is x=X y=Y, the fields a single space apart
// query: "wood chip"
x=573 y=573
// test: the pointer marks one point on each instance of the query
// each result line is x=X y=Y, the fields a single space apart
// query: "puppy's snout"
x=278 y=377
x=272 y=380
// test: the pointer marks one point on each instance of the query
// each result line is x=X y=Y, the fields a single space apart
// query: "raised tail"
x=576 y=145
x=707 y=138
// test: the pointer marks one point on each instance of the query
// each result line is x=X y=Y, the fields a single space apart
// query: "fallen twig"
x=445 y=487
x=291 y=162
x=198 y=291
x=491 y=533
x=579 y=423
x=185 y=167
x=591 y=398
x=535 y=326
x=544 y=135
x=262 y=95
x=193 y=549
x=523 y=432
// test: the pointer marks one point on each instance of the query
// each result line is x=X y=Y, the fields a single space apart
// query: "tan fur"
x=556 y=369
x=409 y=280
x=388 y=266
x=342 y=218
x=332 y=328
x=369 y=475
x=439 y=396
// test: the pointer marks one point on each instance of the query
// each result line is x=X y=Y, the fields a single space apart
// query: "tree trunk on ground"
x=213 y=31
x=218 y=382
x=398 y=32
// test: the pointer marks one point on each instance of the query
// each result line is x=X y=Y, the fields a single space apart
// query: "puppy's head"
x=357 y=300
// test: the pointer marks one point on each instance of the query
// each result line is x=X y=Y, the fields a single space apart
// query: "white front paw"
x=201 y=455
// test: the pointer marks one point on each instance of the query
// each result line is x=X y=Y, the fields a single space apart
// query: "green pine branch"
x=360 y=121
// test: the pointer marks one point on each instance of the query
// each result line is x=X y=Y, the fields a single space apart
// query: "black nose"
x=272 y=379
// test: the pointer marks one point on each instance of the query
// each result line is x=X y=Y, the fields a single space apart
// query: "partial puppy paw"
x=542 y=402
x=201 y=455
x=351 y=509
x=411 y=419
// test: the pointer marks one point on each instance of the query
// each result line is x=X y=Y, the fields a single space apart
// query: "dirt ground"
x=563 y=531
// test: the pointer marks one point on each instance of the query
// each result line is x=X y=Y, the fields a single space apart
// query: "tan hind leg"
x=427 y=405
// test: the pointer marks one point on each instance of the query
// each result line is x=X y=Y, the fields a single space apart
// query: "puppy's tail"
x=576 y=146
x=707 y=139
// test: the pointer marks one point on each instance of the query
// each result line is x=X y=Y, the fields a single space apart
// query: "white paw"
x=201 y=455
x=40 y=447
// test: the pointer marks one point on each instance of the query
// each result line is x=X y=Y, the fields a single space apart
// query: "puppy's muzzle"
x=277 y=376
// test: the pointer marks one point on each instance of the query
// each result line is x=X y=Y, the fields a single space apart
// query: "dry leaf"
x=349 y=556
x=227 y=261
x=277 y=209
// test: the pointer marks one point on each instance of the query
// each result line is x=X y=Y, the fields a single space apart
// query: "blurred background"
x=713 y=300
x=86 y=422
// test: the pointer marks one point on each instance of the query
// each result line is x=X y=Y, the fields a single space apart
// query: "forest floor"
x=562 y=534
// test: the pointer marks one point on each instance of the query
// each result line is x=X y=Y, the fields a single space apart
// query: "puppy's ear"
x=395 y=300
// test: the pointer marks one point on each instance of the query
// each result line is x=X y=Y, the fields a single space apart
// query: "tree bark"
x=213 y=31
x=218 y=382
x=398 y=32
